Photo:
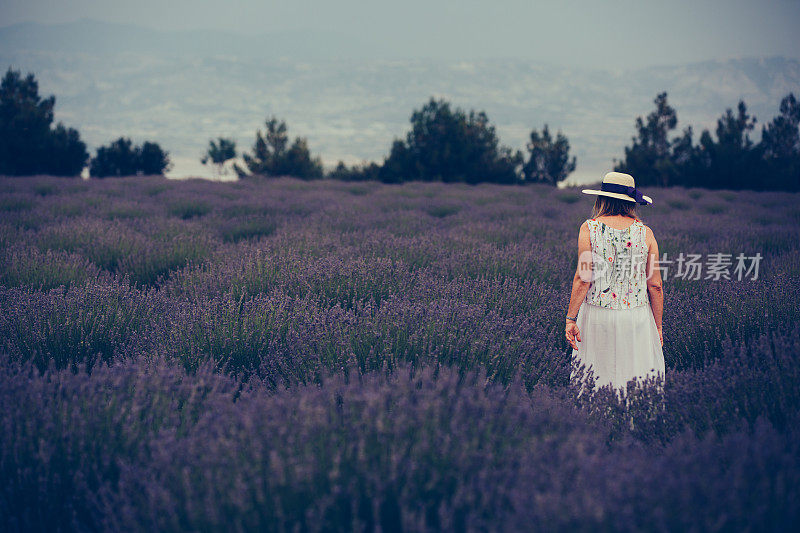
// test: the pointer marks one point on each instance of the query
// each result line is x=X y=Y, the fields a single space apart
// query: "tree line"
x=444 y=143
x=450 y=145
x=727 y=159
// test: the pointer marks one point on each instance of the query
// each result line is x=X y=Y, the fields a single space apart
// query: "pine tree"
x=780 y=146
x=649 y=158
x=730 y=161
x=30 y=144
x=271 y=157
x=549 y=160
x=218 y=153
x=446 y=144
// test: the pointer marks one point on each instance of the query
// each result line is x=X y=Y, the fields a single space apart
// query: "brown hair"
x=605 y=205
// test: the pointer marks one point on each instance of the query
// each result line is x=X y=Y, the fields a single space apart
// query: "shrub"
x=442 y=211
x=247 y=228
x=679 y=204
x=145 y=255
x=187 y=208
x=568 y=198
x=68 y=327
x=22 y=266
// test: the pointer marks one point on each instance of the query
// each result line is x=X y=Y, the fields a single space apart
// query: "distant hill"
x=182 y=88
x=87 y=36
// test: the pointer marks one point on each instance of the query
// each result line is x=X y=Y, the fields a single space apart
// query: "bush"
x=145 y=255
x=47 y=270
x=188 y=208
x=247 y=228
x=69 y=327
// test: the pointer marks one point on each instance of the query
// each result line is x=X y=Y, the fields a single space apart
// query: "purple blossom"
x=278 y=354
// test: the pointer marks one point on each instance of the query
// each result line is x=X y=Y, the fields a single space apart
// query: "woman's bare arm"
x=580 y=284
x=654 y=282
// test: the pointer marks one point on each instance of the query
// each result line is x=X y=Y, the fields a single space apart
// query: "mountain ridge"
x=87 y=35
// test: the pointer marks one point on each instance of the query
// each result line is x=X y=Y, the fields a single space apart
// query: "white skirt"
x=618 y=344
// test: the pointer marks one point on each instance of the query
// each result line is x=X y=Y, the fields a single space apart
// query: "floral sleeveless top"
x=619 y=266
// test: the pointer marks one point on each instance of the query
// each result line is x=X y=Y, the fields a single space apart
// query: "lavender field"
x=289 y=355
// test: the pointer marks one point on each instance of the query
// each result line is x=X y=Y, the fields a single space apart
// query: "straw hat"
x=622 y=186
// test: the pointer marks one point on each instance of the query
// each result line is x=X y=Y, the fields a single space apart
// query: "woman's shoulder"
x=648 y=232
x=587 y=225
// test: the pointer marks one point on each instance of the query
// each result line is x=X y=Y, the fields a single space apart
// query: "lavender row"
x=291 y=317
x=146 y=446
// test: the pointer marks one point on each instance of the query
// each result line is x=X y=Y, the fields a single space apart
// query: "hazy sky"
x=612 y=33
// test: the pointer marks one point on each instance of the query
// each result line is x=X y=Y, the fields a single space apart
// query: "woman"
x=614 y=314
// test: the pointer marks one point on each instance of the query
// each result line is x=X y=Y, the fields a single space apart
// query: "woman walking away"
x=614 y=315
